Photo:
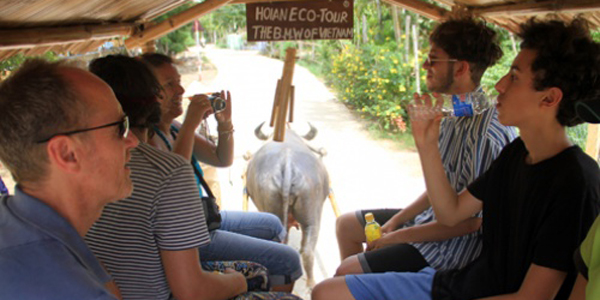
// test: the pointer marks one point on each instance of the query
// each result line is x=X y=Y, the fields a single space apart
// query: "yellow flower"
x=395 y=61
x=402 y=88
x=397 y=107
x=379 y=96
x=374 y=72
x=387 y=38
x=384 y=91
x=393 y=70
x=382 y=57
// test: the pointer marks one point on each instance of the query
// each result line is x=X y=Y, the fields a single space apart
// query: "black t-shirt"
x=531 y=214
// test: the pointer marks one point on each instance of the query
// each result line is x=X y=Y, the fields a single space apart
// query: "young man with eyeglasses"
x=461 y=51
x=64 y=138
x=539 y=197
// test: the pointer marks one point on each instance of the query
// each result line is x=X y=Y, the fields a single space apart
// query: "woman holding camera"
x=252 y=236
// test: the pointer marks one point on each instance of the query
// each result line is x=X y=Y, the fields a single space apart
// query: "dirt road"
x=365 y=173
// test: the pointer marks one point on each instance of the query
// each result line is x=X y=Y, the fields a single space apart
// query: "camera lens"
x=217 y=103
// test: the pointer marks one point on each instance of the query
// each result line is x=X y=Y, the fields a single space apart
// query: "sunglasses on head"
x=123 y=129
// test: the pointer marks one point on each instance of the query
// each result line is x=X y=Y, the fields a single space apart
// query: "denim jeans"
x=260 y=225
x=254 y=237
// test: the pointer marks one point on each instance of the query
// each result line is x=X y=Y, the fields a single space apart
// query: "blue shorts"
x=254 y=236
x=392 y=285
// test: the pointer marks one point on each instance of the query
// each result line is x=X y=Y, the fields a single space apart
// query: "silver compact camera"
x=217 y=103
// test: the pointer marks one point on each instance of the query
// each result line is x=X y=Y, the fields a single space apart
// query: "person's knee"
x=348 y=228
x=350 y=265
x=320 y=291
x=343 y=223
x=287 y=261
x=273 y=223
x=331 y=289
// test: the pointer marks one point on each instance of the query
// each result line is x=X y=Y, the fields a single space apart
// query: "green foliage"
x=374 y=80
x=178 y=40
x=226 y=19
x=14 y=62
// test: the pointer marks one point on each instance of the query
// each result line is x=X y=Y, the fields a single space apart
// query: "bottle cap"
x=369 y=217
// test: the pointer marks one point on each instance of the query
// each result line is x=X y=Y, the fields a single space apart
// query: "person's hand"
x=389 y=226
x=425 y=119
x=381 y=242
x=224 y=116
x=198 y=110
x=230 y=271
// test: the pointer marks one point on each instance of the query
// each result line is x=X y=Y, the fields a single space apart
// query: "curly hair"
x=470 y=40
x=134 y=85
x=157 y=60
x=36 y=101
x=567 y=58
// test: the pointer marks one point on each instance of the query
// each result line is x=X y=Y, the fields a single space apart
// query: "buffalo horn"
x=259 y=134
x=312 y=133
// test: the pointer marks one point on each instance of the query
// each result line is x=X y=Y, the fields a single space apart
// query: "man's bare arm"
x=188 y=281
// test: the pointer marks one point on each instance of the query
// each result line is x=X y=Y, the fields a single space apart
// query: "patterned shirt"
x=468 y=146
x=163 y=213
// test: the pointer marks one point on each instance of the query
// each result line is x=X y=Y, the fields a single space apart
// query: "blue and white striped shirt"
x=468 y=146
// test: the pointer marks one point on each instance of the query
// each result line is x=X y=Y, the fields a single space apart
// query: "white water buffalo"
x=288 y=177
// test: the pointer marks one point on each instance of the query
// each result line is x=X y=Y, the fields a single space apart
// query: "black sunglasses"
x=123 y=129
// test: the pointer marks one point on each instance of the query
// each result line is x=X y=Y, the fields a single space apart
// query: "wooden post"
x=592 y=145
x=416 y=49
x=284 y=96
x=292 y=90
x=407 y=38
x=275 y=103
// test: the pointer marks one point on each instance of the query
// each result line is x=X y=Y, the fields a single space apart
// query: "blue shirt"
x=42 y=256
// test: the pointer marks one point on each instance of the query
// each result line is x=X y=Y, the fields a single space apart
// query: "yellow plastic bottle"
x=372 y=228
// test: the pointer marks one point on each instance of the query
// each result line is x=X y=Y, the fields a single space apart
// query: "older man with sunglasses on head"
x=65 y=140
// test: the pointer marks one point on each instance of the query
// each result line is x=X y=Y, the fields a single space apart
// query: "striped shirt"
x=468 y=146
x=163 y=213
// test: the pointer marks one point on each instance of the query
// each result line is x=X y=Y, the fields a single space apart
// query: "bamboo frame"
x=430 y=11
x=173 y=23
x=35 y=37
x=507 y=10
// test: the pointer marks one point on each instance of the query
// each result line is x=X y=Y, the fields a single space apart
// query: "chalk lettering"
x=293 y=14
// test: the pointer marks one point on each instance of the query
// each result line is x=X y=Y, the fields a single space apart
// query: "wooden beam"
x=173 y=23
x=427 y=10
x=35 y=37
x=261 y=1
x=505 y=10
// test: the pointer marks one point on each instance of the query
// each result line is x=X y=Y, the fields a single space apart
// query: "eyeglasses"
x=430 y=61
x=123 y=129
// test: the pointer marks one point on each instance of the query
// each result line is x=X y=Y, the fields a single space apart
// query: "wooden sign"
x=300 y=20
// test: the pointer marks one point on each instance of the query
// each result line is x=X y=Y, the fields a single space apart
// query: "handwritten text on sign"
x=300 y=20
